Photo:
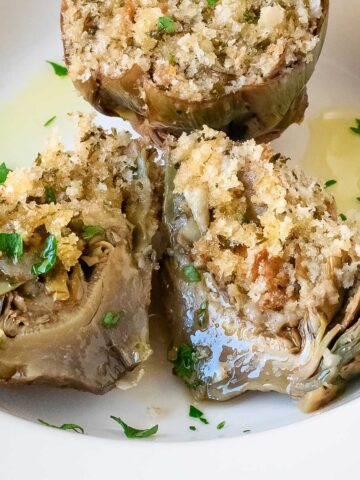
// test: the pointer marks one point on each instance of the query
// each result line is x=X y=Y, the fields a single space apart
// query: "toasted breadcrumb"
x=267 y=234
x=91 y=185
x=232 y=43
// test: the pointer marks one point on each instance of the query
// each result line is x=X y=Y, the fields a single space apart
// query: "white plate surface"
x=283 y=443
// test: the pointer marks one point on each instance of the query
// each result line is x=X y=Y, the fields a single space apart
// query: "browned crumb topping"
x=190 y=47
x=267 y=234
x=90 y=184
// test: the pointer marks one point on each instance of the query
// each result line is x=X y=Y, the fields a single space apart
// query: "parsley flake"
x=48 y=256
x=358 y=199
x=250 y=17
x=184 y=364
x=131 y=432
x=4 y=172
x=111 y=319
x=191 y=273
x=50 y=121
x=212 y=2
x=357 y=128
x=196 y=413
x=221 y=425
x=59 y=70
x=172 y=59
x=330 y=183
x=12 y=245
x=91 y=231
x=66 y=426
x=192 y=428
x=50 y=196
x=343 y=216
x=166 y=24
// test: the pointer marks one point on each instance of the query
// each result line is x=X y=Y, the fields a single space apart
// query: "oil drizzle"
x=333 y=153
x=22 y=118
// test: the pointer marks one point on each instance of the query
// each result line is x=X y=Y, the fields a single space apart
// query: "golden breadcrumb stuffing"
x=90 y=185
x=267 y=234
x=190 y=47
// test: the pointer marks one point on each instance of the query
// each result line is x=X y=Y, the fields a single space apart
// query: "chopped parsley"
x=111 y=319
x=202 y=315
x=48 y=256
x=358 y=199
x=4 y=172
x=191 y=273
x=65 y=426
x=357 y=128
x=50 y=196
x=38 y=160
x=131 y=432
x=59 y=70
x=91 y=231
x=192 y=428
x=50 y=121
x=250 y=17
x=166 y=24
x=212 y=2
x=172 y=59
x=221 y=425
x=12 y=245
x=184 y=364
x=246 y=431
x=196 y=413
x=330 y=183
x=343 y=216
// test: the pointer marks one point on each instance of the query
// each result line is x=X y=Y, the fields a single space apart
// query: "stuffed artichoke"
x=172 y=66
x=76 y=262
x=262 y=275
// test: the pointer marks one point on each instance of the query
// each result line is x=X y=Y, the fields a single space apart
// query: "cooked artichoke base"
x=279 y=269
x=196 y=48
x=82 y=223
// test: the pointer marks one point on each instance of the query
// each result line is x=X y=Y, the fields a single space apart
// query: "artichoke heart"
x=74 y=306
x=266 y=297
x=170 y=67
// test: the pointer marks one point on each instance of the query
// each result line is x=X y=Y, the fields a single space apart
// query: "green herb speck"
x=357 y=128
x=196 y=413
x=66 y=426
x=191 y=273
x=111 y=319
x=184 y=364
x=50 y=121
x=131 y=432
x=91 y=231
x=172 y=59
x=12 y=245
x=50 y=196
x=250 y=17
x=4 y=172
x=59 y=70
x=48 y=256
x=330 y=183
x=166 y=24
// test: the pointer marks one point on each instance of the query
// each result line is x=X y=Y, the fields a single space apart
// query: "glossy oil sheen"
x=23 y=115
x=333 y=152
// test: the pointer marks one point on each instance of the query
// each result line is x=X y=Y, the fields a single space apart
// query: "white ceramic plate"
x=283 y=443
